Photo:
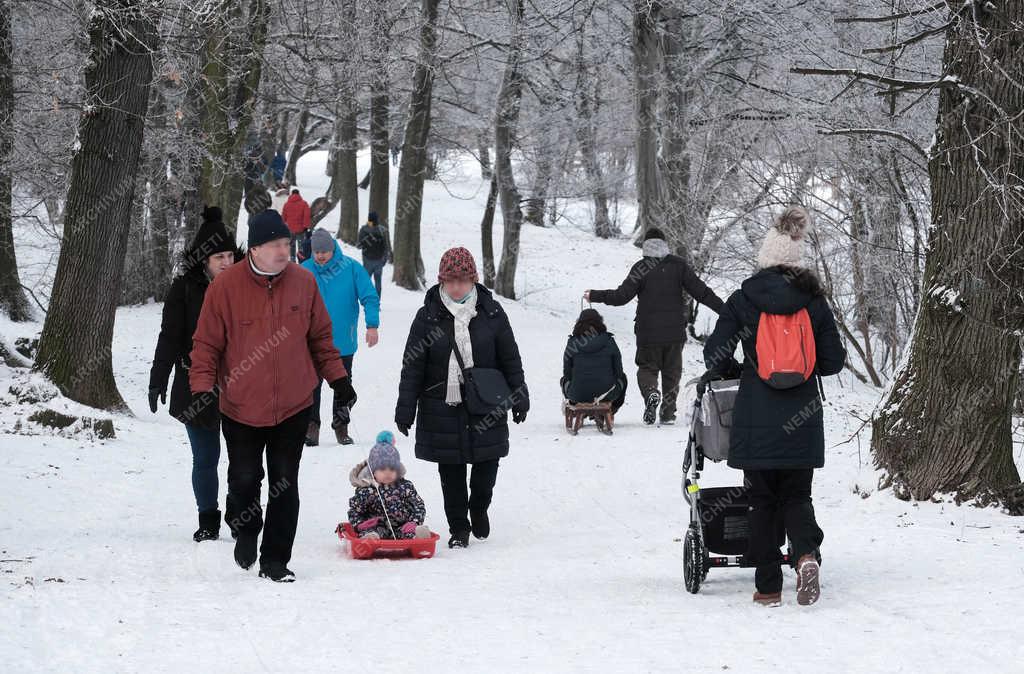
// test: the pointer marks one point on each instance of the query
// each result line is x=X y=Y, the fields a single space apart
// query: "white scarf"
x=462 y=312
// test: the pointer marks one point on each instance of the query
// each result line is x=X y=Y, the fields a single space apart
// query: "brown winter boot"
x=771 y=599
x=341 y=434
x=808 y=588
x=313 y=434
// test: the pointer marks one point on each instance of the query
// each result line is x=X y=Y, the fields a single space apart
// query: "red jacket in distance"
x=295 y=214
x=263 y=341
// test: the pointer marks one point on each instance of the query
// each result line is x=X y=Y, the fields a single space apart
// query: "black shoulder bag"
x=486 y=391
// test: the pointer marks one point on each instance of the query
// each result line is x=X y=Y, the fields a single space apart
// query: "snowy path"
x=583 y=570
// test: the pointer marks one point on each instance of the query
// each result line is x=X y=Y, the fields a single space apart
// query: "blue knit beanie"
x=384 y=454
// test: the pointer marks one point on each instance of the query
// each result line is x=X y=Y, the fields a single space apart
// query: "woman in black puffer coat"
x=778 y=435
x=431 y=391
x=592 y=363
x=212 y=251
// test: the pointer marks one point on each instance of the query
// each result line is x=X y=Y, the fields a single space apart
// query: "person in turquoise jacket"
x=344 y=284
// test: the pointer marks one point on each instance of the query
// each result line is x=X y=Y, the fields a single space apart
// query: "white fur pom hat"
x=785 y=242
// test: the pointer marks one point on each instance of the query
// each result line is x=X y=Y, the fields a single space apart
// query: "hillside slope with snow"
x=583 y=569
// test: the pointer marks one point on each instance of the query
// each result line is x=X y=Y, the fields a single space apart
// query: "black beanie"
x=212 y=214
x=211 y=238
x=372 y=217
x=267 y=226
x=654 y=233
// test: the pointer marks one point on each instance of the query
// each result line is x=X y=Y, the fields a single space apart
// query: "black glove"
x=155 y=393
x=403 y=428
x=518 y=417
x=343 y=391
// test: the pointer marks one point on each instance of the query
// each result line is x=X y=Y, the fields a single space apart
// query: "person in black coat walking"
x=778 y=436
x=662 y=284
x=432 y=390
x=373 y=240
x=212 y=251
x=592 y=364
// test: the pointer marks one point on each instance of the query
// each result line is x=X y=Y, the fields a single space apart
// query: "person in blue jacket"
x=344 y=285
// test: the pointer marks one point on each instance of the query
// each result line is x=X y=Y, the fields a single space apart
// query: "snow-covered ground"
x=583 y=569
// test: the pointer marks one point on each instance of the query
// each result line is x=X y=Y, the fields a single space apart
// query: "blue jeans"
x=205 y=457
x=340 y=413
x=375 y=268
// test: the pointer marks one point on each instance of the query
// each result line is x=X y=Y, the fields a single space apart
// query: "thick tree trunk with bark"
x=645 y=76
x=13 y=302
x=408 y=260
x=586 y=139
x=945 y=425
x=75 y=346
x=506 y=118
x=227 y=104
x=380 y=104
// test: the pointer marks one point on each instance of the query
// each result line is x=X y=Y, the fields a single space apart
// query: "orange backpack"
x=785 y=349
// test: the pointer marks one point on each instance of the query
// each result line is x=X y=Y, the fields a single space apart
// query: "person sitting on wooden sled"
x=385 y=504
x=592 y=364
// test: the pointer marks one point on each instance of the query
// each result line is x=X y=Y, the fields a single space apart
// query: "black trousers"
x=460 y=501
x=666 y=360
x=340 y=414
x=283 y=444
x=774 y=494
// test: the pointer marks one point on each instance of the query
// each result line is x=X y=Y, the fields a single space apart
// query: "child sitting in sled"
x=385 y=504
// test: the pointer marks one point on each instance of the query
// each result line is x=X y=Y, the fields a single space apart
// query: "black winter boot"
x=342 y=436
x=480 y=523
x=460 y=539
x=245 y=550
x=276 y=572
x=651 y=409
x=209 y=526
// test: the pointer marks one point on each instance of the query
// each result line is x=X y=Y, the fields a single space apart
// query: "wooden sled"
x=577 y=413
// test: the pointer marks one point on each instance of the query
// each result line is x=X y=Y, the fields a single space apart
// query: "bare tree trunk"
x=507 y=116
x=483 y=143
x=227 y=106
x=945 y=425
x=586 y=138
x=380 y=166
x=546 y=149
x=75 y=346
x=12 y=297
x=487 y=233
x=298 y=138
x=645 y=74
x=408 y=260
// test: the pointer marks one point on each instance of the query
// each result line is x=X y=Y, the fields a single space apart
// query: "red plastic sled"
x=364 y=548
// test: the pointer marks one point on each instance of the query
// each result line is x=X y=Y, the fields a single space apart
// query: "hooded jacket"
x=592 y=367
x=344 y=284
x=775 y=428
x=661 y=282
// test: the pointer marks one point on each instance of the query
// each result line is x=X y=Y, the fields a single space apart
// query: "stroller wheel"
x=693 y=560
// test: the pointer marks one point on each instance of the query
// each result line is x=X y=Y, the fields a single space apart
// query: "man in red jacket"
x=264 y=341
x=296 y=215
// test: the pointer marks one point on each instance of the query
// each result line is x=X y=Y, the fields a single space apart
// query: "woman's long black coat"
x=446 y=433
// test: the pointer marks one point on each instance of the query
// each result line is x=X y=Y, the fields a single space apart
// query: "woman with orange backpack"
x=783 y=322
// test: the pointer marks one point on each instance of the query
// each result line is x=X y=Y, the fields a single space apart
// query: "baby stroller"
x=718 y=531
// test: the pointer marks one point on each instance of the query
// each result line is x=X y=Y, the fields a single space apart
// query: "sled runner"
x=718 y=532
x=367 y=548
x=577 y=413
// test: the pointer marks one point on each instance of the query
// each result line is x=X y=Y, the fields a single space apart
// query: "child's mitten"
x=409 y=528
x=368 y=524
